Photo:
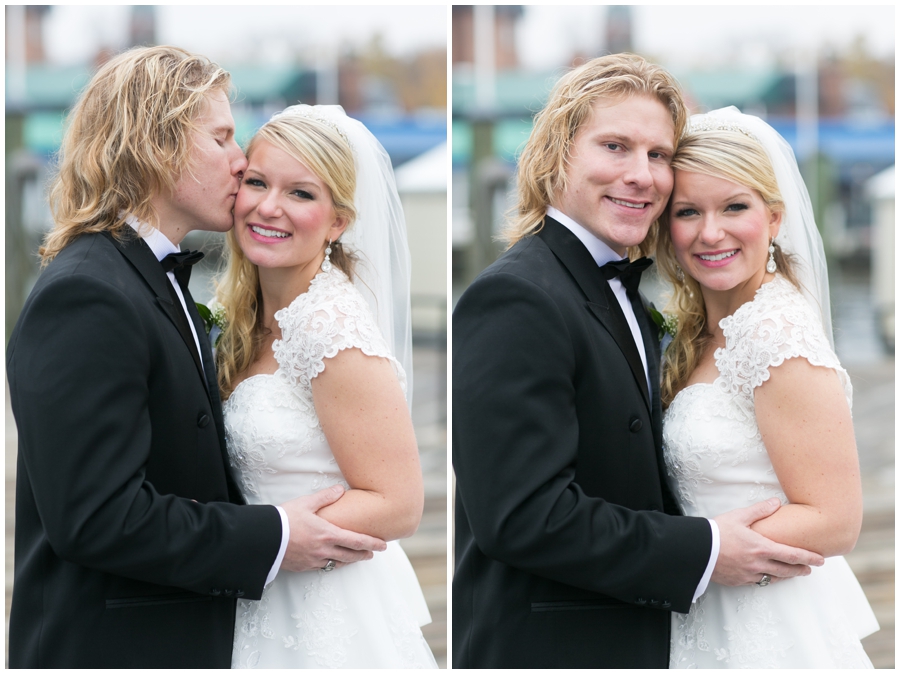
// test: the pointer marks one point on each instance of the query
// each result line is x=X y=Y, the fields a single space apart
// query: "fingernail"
x=774 y=501
x=336 y=488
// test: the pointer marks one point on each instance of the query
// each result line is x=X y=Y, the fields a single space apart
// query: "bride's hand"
x=314 y=541
x=744 y=555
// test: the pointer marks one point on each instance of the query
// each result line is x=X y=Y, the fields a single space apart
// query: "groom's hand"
x=314 y=541
x=744 y=555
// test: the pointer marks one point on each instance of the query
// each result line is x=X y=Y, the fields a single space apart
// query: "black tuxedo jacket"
x=569 y=552
x=130 y=543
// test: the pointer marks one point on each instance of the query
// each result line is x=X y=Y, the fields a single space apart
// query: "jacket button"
x=636 y=425
x=666 y=604
x=203 y=421
x=640 y=601
x=654 y=602
x=239 y=593
x=228 y=593
x=215 y=592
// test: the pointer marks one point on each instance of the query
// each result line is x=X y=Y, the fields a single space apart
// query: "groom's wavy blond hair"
x=321 y=149
x=128 y=138
x=542 y=165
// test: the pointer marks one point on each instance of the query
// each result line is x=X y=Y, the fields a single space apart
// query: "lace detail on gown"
x=716 y=462
x=363 y=615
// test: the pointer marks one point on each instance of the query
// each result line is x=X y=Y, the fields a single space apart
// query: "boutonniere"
x=667 y=325
x=213 y=319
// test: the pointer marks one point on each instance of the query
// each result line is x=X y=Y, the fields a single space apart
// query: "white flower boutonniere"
x=213 y=319
x=668 y=326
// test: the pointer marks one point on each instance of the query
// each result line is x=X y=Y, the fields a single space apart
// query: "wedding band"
x=329 y=566
x=765 y=580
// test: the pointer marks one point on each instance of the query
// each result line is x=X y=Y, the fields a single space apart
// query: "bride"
x=313 y=367
x=757 y=403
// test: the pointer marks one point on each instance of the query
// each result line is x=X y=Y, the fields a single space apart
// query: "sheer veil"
x=798 y=234
x=378 y=237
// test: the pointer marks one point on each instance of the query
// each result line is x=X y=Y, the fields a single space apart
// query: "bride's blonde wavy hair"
x=730 y=155
x=323 y=151
x=128 y=138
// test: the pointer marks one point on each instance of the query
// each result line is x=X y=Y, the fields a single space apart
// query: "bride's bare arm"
x=365 y=417
x=805 y=423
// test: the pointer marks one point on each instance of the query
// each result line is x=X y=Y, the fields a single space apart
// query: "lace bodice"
x=716 y=462
x=364 y=614
x=714 y=453
x=275 y=441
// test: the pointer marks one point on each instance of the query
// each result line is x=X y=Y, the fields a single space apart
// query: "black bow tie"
x=629 y=273
x=181 y=264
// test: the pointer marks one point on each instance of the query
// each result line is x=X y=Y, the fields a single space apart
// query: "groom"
x=131 y=540
x=569 y=548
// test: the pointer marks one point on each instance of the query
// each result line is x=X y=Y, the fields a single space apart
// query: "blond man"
x=570 y=548
x=132 y=542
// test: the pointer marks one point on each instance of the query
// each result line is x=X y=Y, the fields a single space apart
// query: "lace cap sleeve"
x=778 y=324
x=317 y=325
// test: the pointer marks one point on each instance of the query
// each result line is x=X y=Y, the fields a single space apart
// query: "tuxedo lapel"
x=212 y=388
x=602 y=302
x=144 y=261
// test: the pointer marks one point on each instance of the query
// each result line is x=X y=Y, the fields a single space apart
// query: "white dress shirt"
x=603 y=254
x=161 y=246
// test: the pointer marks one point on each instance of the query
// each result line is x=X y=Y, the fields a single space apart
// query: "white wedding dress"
x=362 y=615
x=717 y=462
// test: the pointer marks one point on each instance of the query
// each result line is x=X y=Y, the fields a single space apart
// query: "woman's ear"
x=775 y=223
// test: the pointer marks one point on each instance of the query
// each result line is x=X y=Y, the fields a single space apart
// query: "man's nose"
x=638 y=172
x=239 y=162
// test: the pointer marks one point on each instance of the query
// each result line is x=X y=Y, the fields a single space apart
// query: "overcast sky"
x=697 y=35
x=236 y=32
x=676 y=35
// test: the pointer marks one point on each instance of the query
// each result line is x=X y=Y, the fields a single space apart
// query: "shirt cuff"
x=286 y=536
x=713 y=558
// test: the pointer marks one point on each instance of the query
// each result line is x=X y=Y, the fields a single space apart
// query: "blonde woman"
x=313 y=366
x=758 y=405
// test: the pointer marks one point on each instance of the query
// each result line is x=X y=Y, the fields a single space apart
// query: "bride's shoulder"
x=778 y=309
x=331 y=297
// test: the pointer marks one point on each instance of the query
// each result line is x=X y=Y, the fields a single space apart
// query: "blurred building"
x=401 y=100
x=835 y=110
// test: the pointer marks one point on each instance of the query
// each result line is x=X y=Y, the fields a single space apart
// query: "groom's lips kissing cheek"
x=618 y=177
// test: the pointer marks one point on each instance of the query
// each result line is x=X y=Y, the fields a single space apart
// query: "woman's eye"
x=255 y=182
x=685 y=212
x=737 y=207
x=303 y=194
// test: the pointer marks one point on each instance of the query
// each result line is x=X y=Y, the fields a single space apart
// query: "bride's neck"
x=282 y=285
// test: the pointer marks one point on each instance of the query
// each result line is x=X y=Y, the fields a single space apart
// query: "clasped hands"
x=744 y=555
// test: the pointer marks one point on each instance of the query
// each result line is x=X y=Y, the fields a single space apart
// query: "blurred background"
x=822 y=76
x=387 y=66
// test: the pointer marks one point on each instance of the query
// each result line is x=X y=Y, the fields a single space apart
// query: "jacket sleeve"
x=516 y=438
x=79 y=367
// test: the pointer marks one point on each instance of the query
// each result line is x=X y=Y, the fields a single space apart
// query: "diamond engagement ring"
x=329 y=566
x=765 y=580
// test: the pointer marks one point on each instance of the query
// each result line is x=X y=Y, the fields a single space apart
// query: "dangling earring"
x=770 y=265
x=326 y=263
x=679 y=274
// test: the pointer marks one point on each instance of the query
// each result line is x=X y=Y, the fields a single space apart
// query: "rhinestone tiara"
x=718 y=124
x=309 y=113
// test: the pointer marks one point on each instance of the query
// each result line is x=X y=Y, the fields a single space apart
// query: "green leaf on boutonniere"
x=668 y=325
x=213 y=320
